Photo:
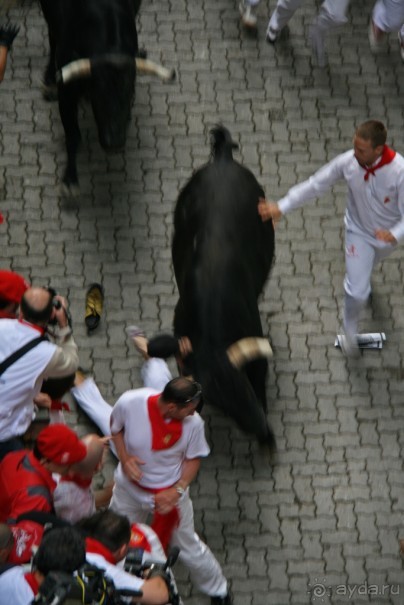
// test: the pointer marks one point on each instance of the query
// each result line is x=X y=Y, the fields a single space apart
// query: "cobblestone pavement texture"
x=328 y=514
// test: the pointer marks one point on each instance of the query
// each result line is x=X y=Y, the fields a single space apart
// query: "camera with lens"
x=134 y=561
x=150 y=569
x=56 y=304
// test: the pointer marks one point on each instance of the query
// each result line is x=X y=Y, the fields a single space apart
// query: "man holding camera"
x=108 y=536
x=62 y=550
x=27 y=357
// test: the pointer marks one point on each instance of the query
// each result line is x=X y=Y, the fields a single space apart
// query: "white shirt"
x=14 y=589
x=22 y=381
x=162 y=468
x=73 y=502
x=376 y=203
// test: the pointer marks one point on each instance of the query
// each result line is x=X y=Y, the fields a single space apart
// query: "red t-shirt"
x=25 y=485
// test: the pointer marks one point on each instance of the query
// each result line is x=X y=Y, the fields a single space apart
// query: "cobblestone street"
x=322 y=524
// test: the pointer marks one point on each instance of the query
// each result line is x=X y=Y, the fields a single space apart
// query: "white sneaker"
x=272 y=35
x=401 y=44
x=316 y=37
x=248 y=18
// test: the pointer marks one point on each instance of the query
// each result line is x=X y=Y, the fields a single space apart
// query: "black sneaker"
x=226 y=600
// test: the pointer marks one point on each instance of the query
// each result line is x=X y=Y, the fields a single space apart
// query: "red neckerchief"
x=138 y=538
x=7 y=314
x=164 y=434
x=33 y=326
x=96 y=548
x=33 y=582
x=80 y=481
x=387 y=156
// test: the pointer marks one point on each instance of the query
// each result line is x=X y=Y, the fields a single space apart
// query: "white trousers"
x=155 y=374
x=360 y=258
x=206 y=573
x=332 y=13
x=388 y=15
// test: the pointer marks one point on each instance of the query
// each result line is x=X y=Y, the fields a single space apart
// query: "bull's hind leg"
x=49 y=88
x=257 y=373
x=68 y=102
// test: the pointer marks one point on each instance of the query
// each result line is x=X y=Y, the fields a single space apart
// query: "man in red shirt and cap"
x=26 y=482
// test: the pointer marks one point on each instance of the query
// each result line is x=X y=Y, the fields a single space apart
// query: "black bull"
x=222 y=254
x=103 y=33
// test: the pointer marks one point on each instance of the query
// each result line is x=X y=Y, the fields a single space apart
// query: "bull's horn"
x=149 y=67
x=76 y=69
x=247 y=349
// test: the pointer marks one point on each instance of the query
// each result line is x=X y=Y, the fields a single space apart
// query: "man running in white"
x=374 y=216
x=332 y=14
x=387 y=16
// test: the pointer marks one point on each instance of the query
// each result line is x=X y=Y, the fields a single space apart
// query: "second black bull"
x=222 y=254
x=93 y=45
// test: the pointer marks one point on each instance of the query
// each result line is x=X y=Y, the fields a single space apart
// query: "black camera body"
x=56 y=304
x=134 y=561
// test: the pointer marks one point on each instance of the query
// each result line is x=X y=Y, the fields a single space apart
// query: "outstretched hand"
x=7 y=34
x=269 y=210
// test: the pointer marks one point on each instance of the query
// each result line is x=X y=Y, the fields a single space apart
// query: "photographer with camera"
x=60 y=554
x=107 y=543
x=27 y=357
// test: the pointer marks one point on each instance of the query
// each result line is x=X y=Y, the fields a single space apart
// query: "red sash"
x=163 y=524
x=96 y=548
x=164 y=434
x=388 y=156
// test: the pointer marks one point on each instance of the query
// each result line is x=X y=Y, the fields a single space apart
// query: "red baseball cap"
x=60 y=445
x=12 y=286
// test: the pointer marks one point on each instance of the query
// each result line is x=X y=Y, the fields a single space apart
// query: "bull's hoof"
x=268 y=444
x=172 y=75
x=70 y=190
x=49 y=91
x=142 y=53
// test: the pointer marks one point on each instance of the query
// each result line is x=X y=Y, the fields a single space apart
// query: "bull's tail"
x=221 y=143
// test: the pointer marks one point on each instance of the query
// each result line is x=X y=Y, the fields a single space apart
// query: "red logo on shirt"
x=351 y=250
x=386 y=200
